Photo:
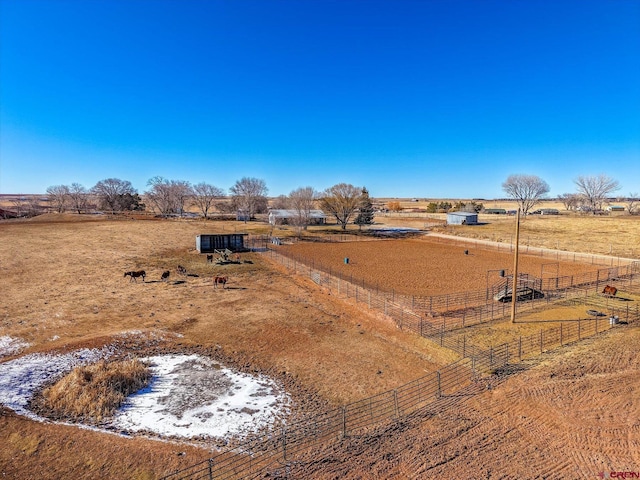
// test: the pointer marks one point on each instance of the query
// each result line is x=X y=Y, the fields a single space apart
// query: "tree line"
x=592 y=192
x=247 y=197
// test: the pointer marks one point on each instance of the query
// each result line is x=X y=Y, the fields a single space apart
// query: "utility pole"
x=514 y=287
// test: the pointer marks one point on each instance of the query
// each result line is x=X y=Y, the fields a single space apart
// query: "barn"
x=462 y=218
x=211 y=243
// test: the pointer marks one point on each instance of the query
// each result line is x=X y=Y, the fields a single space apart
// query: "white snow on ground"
x=189 y=396
x=192 y=396
x=10 y=345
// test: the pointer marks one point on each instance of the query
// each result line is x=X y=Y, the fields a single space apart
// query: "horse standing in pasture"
x=610 y=291
x=219 y=280
x=135 y=275
x=209 y=258
x=165 y=275
x=181 y=270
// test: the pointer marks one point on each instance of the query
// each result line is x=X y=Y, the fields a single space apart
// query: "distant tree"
x=114 y=194
x=526 y=190
x=432 y=207
x=168 y=196
x=58 y=197
x=365 y=209
x=78 y=197
x=595 y=189
x=340 y=201
x=444 y=206
x=571 y=201
x=633 y=203
x=204 y=196
x=250 y=196
x=281 y=202
x=302 y=201
x=394 y=206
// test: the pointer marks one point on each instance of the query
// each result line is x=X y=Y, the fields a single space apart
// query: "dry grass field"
x=63 y=288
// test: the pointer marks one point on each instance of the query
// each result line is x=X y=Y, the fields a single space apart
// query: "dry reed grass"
x=92 y=393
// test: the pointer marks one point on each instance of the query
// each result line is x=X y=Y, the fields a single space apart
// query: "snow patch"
x=190 y=396
x=10 y=345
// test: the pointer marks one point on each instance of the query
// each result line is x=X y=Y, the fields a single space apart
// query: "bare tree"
x=595 y=189
x=168 y=196
x=204 y=196
x=112 y=194
x=341 y=201
x=571 y=201
x=250 y=196
x=633 y=203
x=281 y=202
x=58 y=197
x=78 y=197
x=526 y=190
x=302 y=201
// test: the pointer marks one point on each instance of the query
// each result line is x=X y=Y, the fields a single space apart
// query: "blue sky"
x=431 y=98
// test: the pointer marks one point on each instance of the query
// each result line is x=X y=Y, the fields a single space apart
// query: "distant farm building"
x=615 y=208
x=211 y=243
x=462 y=218
x=545 y=211
x=495 y=211
x=288 y=217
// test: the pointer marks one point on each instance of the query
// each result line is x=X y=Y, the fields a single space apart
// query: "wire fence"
x=259 y=454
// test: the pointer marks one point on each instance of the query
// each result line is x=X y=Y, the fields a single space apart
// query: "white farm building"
x=288 y=217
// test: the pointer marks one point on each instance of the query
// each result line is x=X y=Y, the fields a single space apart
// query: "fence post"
x=579 y=330
x=395 y=403
x=284 y=445
x=439 y=391
x=344 y=422
x=560 y=333
x=211 y=469
x=540 y=340
x=520 y=348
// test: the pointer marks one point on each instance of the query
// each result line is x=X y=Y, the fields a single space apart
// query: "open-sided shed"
x=209 y=243
x=462 y=218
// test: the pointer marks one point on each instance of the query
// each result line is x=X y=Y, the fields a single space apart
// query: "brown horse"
x=135 y=275
x=219 y=280
x=610 y=291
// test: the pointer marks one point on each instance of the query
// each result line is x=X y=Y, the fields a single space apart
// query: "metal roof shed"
x=211 y=243
x=462 y=218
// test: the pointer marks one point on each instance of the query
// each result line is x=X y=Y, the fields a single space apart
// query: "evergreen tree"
x=365 y=215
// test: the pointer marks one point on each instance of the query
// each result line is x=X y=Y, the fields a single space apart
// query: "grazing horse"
x=610 y=291
x=135 y=274
x=219 y=280
x=209 y=258
x=181 y=270
x=165 y=275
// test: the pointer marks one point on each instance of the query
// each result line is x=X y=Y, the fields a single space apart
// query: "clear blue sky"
x=416 y=98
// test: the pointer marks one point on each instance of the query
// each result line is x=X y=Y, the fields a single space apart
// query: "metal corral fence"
x=256 y=456
x=253 y=458
x=455 y=310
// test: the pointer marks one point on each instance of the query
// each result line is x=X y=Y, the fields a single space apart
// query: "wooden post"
x=514 y=287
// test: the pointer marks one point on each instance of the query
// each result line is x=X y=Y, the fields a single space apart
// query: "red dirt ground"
x=426 y=267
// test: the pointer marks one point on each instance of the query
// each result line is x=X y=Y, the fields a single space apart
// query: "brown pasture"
x=62 y=288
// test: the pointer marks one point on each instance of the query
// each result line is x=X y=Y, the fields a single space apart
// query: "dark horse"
x=165 y=275
x=219 y=280
x=610 y=291
x=135 y=274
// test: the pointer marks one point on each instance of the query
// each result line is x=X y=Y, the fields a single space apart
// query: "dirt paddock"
x=425 y=266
